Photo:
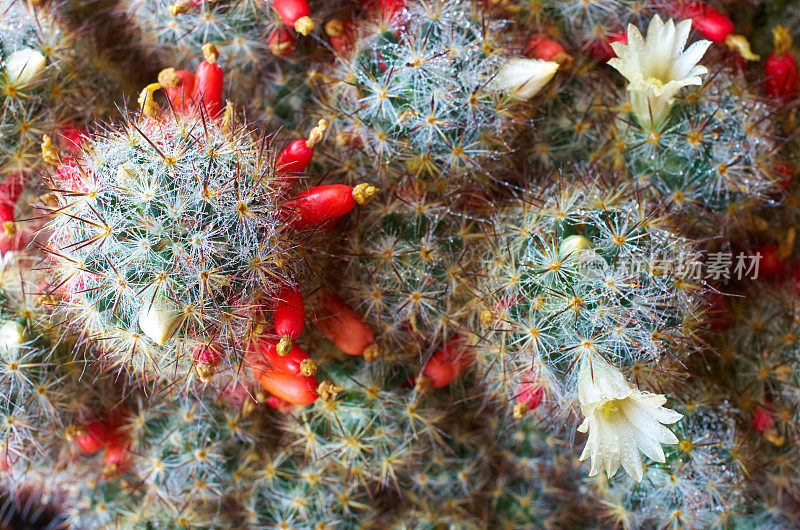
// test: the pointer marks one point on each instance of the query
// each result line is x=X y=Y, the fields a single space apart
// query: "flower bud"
x=158 y=319
x=12 y=334
x=524 y=78
x=25 y=66
x=574 y=244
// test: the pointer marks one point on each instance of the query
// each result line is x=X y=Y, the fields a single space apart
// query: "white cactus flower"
x=657 y=68
x=158 y=319
x=25 y=66
x=524 y=78
x=620 y=420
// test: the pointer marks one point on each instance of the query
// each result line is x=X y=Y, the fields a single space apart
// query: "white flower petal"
x=158 y=319
x=658 y=67
x=621 y=421
x=682 y=30
x=629 y=453
x=686 y=61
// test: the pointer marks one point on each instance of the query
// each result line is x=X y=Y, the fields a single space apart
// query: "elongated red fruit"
x=208 y=80
x=321 y=204
x=385 y=9
x=179 y=87
x=447 y=363
x=279 y=404
x=781 y=75
x=10 y=190
x=713 y=25
x=74 y=137
x=601 y=48
x=345 y=328
x=289 y=377
x=93 y=436
x=295 y=13
x=341 y=34
x=705 y=19
x=772 y=261
x=116 y=458
x=263 y=354
x=547 y=49
x=70 y=177
x=296 y=156
x=293 y=389
x=762 y=419
x=281 y=42
x=290 y=316
x=531 y=393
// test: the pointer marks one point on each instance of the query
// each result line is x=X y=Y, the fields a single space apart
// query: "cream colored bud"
x=127 y=174
x=12 y=334
x=25 y=66
x=158 y=319
x=573 y=244
x=523 y=78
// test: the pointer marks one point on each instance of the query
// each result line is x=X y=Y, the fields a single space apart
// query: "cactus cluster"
x=52 y=81
x=694 y=486
x=399 y=264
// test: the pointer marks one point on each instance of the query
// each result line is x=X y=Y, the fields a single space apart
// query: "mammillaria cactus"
x=31 y=388
x=150 y=461
x=758 y=347
x=408 y=264
x=358 y=442
x=709 y=147
x=52 y=81
x=175 y=234
x=579 y=288
x=430 y=89
x=204 y=324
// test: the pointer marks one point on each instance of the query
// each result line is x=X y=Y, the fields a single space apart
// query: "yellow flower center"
x=610 y=407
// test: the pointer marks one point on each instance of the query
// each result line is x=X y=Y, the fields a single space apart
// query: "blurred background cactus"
x=54 y=80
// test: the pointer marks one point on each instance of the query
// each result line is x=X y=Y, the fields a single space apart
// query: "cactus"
x=283 y=96
x=409 y=259
x=586 y=262
x=174 y=233
x=197 y=336
x=710 y=147
x=52 y=81
x=581 y=280
x=757 y=341
x=430 y=89
x=30 y=369
x=714 y=152
x=165 y=461
x=594 y=25
x=248 y=34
